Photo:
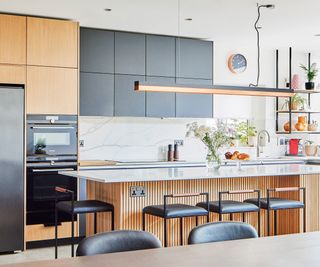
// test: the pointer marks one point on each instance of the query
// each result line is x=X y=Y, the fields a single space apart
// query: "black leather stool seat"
x=84 y=206
x=276 y=203
x=175 y=211
x=229 y=206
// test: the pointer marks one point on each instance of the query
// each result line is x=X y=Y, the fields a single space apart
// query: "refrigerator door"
x=11 y=168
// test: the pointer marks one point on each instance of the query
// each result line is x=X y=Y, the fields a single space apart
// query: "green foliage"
x=311 y=72
x=244 y=130
x=295 y=99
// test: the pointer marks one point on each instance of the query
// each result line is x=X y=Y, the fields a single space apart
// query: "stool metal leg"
x=243 y=217
x=268 y=222
x=95 y=222
x=304 y=220
x=181 y=231
x=112 y=220
x=259 y=222
x=220 y=217
x=56 y=233
x=72 y=235
x=275 y=222
x=196 y=220
x=208 y=217
x=165 y=231
x=231 y=216
x=143 y=221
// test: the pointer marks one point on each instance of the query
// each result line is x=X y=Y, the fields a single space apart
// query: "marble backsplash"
x=139 y=139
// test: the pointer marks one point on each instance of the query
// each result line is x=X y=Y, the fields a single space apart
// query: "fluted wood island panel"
x=128 y=209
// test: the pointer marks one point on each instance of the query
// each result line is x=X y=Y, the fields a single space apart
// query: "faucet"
x=258 y=141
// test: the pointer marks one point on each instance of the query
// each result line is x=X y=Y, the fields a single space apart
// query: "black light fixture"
x=257 y=28
x=107 y=9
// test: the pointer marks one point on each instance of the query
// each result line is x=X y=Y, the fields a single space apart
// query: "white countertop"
x=191 y=173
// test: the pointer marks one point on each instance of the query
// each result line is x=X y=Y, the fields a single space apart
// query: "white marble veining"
x=191 y=173
x=139 y=139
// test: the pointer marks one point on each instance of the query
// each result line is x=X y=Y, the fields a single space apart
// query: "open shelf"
x=297 y=111
x=298 y=132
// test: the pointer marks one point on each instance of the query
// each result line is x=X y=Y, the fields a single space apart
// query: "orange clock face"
x=237 y=63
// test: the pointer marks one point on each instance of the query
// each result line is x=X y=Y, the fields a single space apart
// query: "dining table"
x=294 y=250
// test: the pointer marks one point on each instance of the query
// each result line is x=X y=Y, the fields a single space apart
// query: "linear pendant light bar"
x=213 y=89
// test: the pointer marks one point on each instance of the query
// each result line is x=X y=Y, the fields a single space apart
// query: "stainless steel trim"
x=49 y=164
x=53 y=170
x=53 y=127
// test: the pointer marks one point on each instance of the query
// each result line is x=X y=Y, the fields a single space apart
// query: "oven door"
x=49 y=139
x=41 y=195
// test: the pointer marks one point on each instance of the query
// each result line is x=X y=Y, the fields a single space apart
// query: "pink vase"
x=295 y=82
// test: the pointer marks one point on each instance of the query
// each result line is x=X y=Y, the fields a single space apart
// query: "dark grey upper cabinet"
x=194 y=58
x=129 y=53
x=161 y=104
x=96 y=94
x=127 y=101
x=160 y=56
x=194 y=105
x=96 y=50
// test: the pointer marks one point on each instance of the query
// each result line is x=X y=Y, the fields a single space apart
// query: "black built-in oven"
x=51 y=147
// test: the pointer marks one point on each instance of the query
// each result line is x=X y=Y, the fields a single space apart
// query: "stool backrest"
x=221 y=231
x=117 y=241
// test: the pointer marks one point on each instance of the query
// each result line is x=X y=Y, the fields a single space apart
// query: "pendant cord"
x=258 y=47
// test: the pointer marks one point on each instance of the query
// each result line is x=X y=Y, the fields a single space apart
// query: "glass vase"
x=213 y=162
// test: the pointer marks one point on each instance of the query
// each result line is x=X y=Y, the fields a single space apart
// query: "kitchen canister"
x=295 y=82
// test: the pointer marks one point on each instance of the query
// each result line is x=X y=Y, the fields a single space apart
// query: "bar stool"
x=79 y=207
x=172 y=211
x=275 y=203
x=231 y=206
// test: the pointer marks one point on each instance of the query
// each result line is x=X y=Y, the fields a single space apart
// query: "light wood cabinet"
x=52 y=90
x=12 y=74
x=12 y=39
x=52 y=42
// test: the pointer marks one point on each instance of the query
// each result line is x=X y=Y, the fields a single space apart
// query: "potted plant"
x=297 y=102
x=214 y=139
x=247 y=133
x=311 y=73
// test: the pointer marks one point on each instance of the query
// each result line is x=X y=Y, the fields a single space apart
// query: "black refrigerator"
x=11 y=168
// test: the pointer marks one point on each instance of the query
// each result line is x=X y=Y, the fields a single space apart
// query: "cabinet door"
x=12 y=74
x=52 y=90
x=13 y=39
x=129 y=53
x=52 y=42
x=194 y=105
x=96 y=94
x=194 y=58
x=127 y=101
x=96 y=50
x=161 y=104
x=160 y=56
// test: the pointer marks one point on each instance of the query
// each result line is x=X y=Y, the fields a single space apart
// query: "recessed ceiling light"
x=188 y=19
x=317 y=35
x=107 y=9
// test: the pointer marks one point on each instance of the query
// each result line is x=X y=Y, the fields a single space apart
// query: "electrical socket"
x=178 y=142
x=137 y=191
x=81 y=143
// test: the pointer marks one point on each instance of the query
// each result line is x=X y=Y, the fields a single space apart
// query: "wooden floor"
x=128 y=209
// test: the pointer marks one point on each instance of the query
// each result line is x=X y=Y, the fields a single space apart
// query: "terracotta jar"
x=286 y=126
x=302 y=124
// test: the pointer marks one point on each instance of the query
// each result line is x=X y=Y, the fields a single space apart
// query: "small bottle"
x=170 y=153
x=176 y=152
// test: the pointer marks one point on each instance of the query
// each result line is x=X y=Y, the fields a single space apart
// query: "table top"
x=191 y=173
x=288 y=250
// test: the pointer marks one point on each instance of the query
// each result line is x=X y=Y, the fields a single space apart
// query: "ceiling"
x=291 y=23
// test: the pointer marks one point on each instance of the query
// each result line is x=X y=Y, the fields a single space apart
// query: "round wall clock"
x=237 y=63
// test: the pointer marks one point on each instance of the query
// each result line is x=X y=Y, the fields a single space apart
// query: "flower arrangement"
x=213 y=138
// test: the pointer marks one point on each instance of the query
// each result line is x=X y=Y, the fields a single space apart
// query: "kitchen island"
x=115 y=186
